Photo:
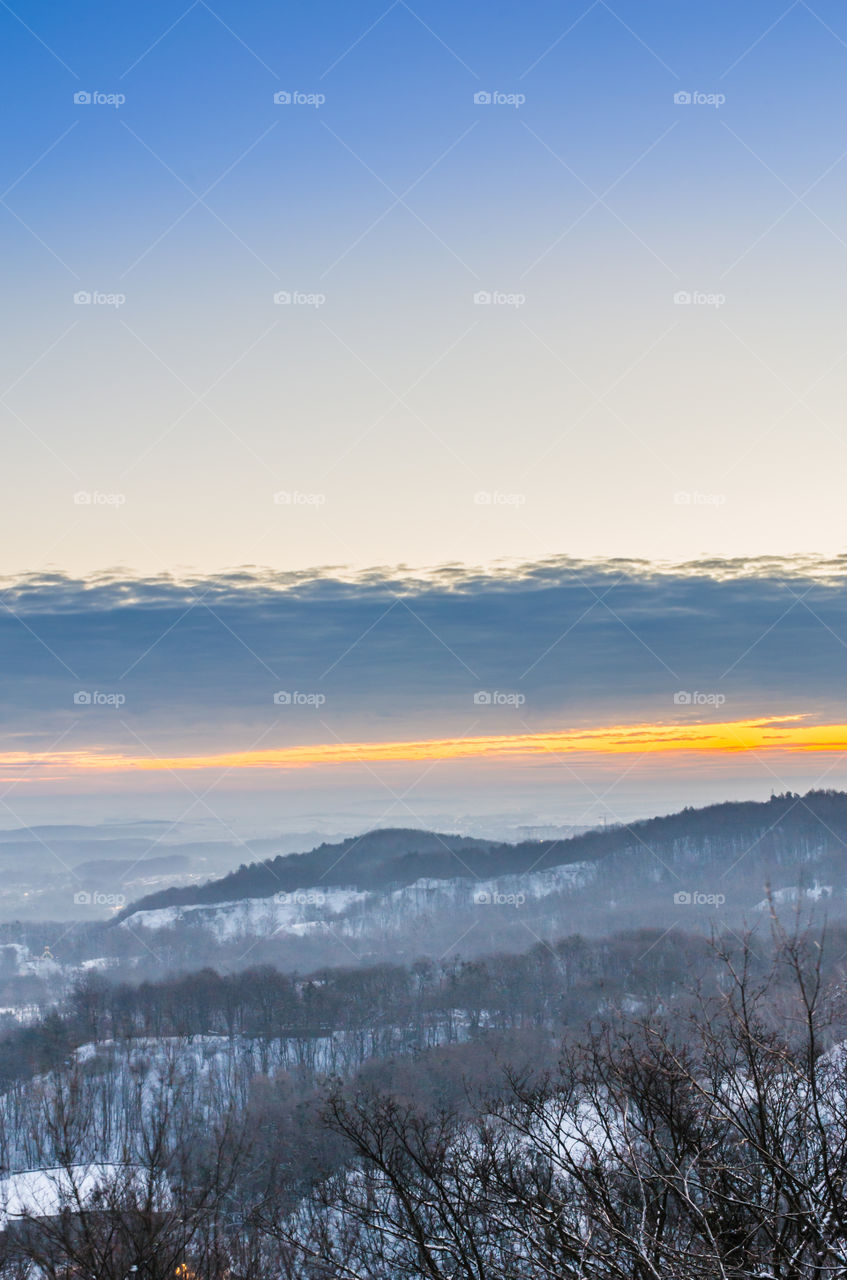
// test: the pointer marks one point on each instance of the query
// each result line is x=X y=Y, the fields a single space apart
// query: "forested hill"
x=784 y=828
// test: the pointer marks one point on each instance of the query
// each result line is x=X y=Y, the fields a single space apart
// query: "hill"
x=782 y=831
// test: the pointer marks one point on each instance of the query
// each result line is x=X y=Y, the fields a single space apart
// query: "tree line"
x=700 y=1137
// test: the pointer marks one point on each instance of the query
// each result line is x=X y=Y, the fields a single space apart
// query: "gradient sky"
x=385 y=417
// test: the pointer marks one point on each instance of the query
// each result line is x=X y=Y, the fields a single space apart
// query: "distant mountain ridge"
x=784 y=832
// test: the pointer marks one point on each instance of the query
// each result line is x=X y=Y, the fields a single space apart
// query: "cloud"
x=398 y=654
x=787 y=734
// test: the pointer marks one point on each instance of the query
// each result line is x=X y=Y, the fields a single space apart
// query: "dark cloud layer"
x=396 y=654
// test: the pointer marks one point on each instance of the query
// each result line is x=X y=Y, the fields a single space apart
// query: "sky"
x=402 y=355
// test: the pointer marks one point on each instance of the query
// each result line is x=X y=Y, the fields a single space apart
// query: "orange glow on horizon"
x=783 y=733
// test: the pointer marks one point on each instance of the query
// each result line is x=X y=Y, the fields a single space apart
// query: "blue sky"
x=398 y=395
x=600 y=316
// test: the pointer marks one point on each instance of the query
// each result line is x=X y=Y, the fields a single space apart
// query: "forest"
x=638 y=1106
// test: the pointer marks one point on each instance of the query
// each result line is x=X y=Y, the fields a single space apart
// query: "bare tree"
x=705 y=1142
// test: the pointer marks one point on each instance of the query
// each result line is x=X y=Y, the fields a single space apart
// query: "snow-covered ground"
x=45 y=1193
x=254 y=917
x=27 y=964
x=783 y=897
x=312 y=909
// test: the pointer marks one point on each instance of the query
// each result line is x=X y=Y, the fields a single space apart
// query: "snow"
x=26 y=964
x=44 y=1193
x=312 y=909
x=793 y=894
x=212 y=1055
x=253 y=917
x=23 y=1013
